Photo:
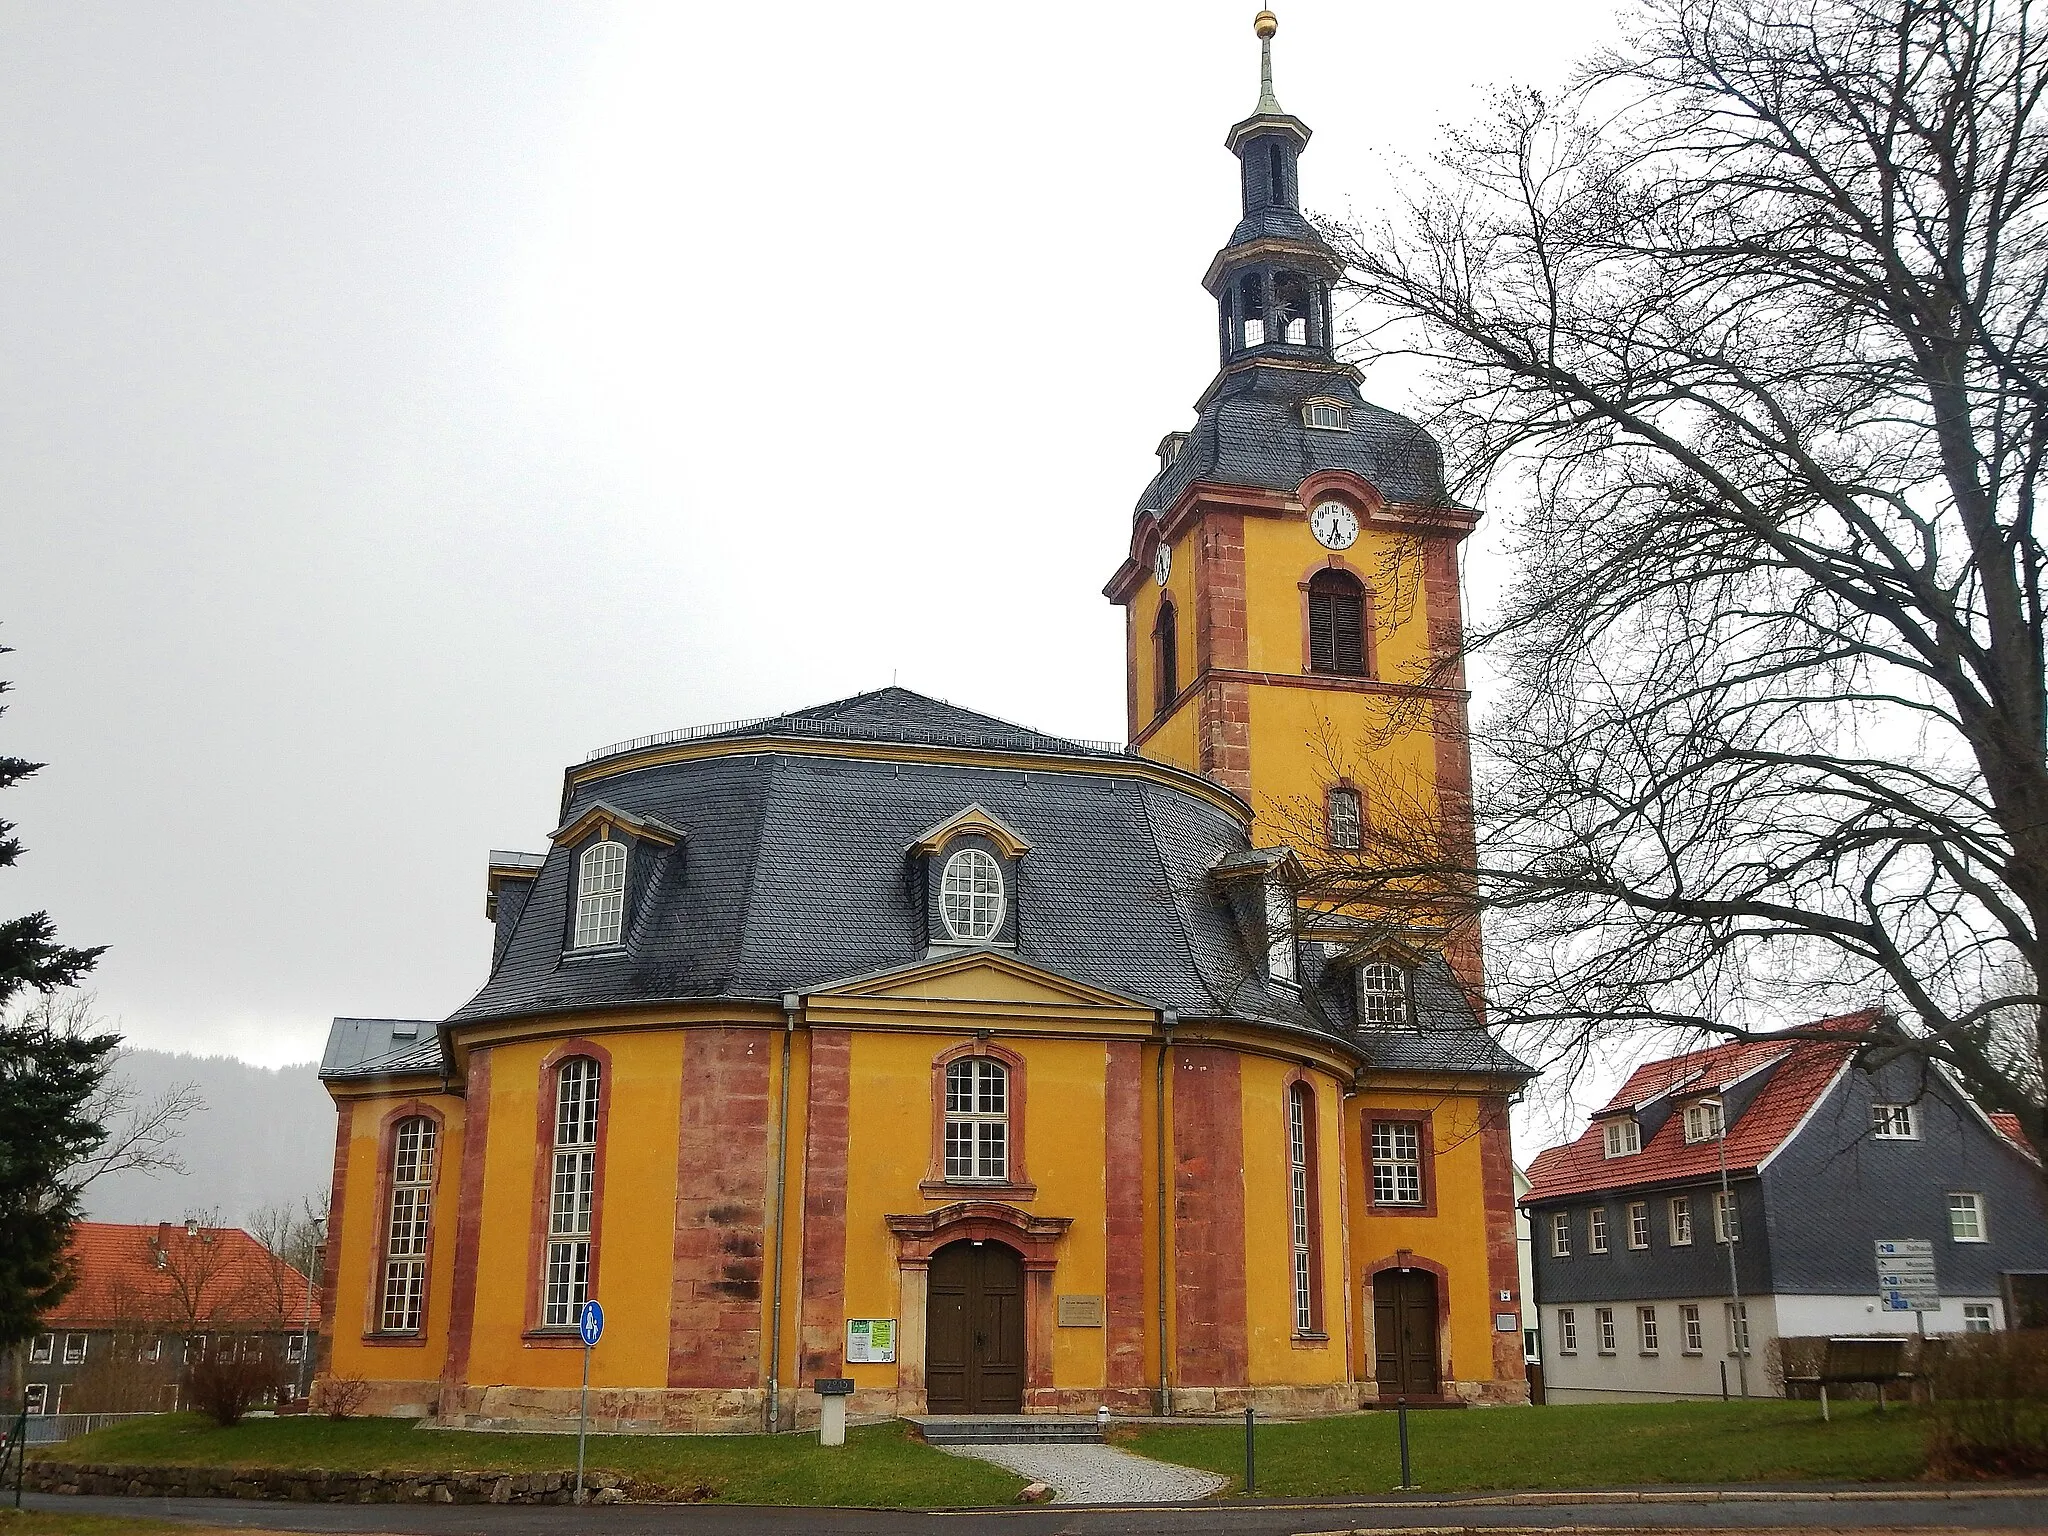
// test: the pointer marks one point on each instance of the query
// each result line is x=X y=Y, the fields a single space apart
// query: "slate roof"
x=235 y=1278
x=1796 y=1073
x=791 y=875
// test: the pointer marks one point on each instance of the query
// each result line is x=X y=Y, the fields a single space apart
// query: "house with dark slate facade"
x=1828 y=1152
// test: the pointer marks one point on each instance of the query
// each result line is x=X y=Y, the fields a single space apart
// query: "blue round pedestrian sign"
x=590 y=1323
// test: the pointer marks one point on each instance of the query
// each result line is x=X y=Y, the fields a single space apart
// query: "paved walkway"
x=1084 y=1472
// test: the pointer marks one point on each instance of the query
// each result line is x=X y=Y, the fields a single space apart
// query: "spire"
x=1265 y=24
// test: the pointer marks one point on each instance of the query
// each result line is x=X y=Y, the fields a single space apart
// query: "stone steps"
x=1004 y=1429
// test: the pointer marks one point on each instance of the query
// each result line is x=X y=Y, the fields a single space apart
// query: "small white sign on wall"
x=870 y=1340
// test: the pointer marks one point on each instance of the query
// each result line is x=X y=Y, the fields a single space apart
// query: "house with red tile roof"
x=1798 y=1153
x=148 y=1302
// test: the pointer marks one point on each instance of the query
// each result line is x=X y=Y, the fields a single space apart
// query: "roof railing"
x=838 y=730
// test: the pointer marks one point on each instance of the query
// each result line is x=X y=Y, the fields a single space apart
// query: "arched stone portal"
x=974 y=1329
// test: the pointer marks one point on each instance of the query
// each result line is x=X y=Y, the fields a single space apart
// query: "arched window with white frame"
x=600 y=895
x=1302 y=1202
x=415 y=1149
x=977 y=1119
x=572 y=1192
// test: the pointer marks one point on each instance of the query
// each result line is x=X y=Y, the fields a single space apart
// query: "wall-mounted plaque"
x=1080 y=1312
x=870 y=1340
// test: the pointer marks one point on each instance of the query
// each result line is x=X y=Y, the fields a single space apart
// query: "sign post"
x=1905 y=1277
x=590 y=1327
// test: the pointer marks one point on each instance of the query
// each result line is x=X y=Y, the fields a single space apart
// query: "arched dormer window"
x=1382 y=994
x=572 y=1191
x=977 y=1119
x=1336 y=623
x=1325 y=415
x=1165 y=658
x=600 y=895
x=415 y=1148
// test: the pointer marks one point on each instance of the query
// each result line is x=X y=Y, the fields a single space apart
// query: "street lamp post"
x=1738 y=1325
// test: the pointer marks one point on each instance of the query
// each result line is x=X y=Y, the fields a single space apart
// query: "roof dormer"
x=968 y=867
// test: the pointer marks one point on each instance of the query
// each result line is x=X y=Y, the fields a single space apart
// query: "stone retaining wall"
x=313 y=1486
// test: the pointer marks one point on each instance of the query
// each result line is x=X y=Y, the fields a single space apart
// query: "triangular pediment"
x=974 y=818
x=978 y=976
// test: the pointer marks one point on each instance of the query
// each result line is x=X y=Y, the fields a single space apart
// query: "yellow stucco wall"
x=1274 y=1353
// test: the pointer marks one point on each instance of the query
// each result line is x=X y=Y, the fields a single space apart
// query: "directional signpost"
x=1905 y=1277
x=590 y=1326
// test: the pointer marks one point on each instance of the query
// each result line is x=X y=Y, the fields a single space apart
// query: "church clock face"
x=1162 y=563
x=1334 y=525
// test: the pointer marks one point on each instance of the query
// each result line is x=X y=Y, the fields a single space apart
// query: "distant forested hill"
x=265 y=1135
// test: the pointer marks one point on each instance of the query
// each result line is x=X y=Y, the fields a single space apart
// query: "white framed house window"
x=412 y=1211
x=1681 y=1221
x=150 y=1351
x=1325 y=415
x=295 y=1347
x=1561 y=1236
x=1622 y=1138
x=600 y=895
x=1727 y=1219
x=1738 y=1326
x=1977 y=1317
x=1646 y=1329
x=977 y=1119
x=1596 y=1230
x=1893 y=1122
x=1965 y=1219
x=1567 y=1330
x=572 y=1192
x=1397 y=1162
x=1695 y=1333
x=35 y=1399
x=74 y=1348
x=1603 y=1319
x=42 y=1349
x=1639 y=1224
x=1383 y=994
x=971 y=897
x=1703 y=1122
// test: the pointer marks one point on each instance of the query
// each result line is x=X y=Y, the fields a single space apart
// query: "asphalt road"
x=1990 y=1511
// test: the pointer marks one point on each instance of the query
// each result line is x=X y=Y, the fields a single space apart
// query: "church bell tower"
x=1293 y=621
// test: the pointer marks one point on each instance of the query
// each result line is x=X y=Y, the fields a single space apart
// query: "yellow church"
x=989 y=1071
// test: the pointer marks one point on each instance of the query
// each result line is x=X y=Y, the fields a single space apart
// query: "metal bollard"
x=1250 y=1466
x=1401 y=1413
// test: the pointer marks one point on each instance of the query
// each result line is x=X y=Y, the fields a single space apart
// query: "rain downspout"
x=1167 y=1020
x=789 y=1007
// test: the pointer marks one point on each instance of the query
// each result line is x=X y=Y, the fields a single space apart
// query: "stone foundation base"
x=613 y=1410
x=1281 y=1402
x=1500 y=1392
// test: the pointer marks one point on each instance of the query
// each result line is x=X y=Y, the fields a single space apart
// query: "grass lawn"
x=29 y=1522
x=1589 y=1446
x=880 y=1465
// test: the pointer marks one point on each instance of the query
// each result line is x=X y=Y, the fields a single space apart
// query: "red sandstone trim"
x=820 y=1343
x=387 y=1139
x=1425 y=1145
x=1124 y=1222
x=337 y=1206
x=1503 y=1264
x=1221 y=630
x=1018 y=1185
x=1444 y=601
x=1208 y=1182
x=721 y=1210
x=543 y=1168
x=1406 y=1258
x=469 y=1224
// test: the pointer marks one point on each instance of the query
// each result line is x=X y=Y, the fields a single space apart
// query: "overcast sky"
x=399 y=400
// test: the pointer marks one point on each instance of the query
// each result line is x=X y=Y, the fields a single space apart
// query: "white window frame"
x=1680 y=1215
x=977 y=1121
x=1603 y=1320
x=1397 y=1173
x=295 y=1347
x=1567 y=1330
x=1638 y=1214
x=1596 y=1229
x=1346 y=828
x=1646 y=1330
x=601 y=895
x=572 y=1191
x=151 y=1352
x=1977 y=1317
x=1961 y=1202
x=1621 y=1138
x=972 y=900
x=1298 y=1201
x=1280 y=920
x=1737 y=1315
x=1894 y=1122
x=1382 y=995
x=1694 y=1330
x=1705 y=1122
x=1727 y=1217
x=415 y=1158
x=42 y=1349
x=194 y=1348
x=76 y=1346
x=1560 y=1235
x=1335 y=418
x=35 y=1399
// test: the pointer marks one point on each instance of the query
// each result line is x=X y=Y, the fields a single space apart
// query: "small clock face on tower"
x=1162 y=563
x=1334 y=525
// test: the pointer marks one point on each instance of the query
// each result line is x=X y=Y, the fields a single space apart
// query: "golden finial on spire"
x=1265 y=24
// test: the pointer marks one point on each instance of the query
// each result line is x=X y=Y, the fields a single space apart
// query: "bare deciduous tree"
x=1745 y=333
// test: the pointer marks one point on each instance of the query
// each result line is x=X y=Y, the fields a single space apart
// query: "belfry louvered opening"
x=1336 y=623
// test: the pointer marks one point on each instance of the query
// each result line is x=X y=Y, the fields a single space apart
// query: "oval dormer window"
x=971 y=896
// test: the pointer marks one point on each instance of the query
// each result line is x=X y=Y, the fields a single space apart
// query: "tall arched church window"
x=1301 y=1170
x=1345 y=815
x=414 y=1151
x=1336 y=623
x=977 y=1119
x=600 y=895
x=572 y=1192
x=1165 y=658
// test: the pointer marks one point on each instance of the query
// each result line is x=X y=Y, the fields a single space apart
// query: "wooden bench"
x=1854 y=1362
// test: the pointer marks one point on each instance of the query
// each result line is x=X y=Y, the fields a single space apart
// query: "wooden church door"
x=974 y=1330
x=1404 y=1333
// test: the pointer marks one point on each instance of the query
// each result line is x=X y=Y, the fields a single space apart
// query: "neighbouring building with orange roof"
x=1828 y=1152
x=151 y=1300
